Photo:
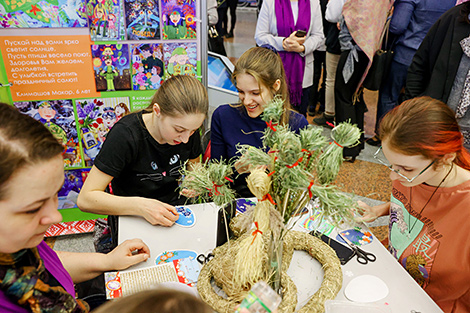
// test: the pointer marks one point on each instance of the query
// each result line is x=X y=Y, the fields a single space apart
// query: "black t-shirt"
x=140 y=166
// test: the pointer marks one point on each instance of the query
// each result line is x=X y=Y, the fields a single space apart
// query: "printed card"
x=123 y=283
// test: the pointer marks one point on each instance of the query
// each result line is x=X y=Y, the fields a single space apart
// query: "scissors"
x=362 y=256
x=202 y=259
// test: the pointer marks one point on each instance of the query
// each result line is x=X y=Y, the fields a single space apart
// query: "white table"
x=405 y=294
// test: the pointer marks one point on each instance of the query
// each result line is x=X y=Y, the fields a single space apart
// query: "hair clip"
x=269 y=47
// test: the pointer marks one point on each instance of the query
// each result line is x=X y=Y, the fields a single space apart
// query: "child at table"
x=143 y=154
x=259 y=76
x=34 y=278
x=429 y=207
x=160 y=300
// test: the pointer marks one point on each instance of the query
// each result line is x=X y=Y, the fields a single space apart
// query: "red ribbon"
x=271 y=125
x=270 y=174
x=336 y=144
x=256 y=232
x=268 y=197
x=227 y=178
x=310 y=194
x=330 y=124
x=296 y=162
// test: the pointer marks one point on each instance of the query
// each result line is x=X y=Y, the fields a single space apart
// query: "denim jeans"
x=390 y=90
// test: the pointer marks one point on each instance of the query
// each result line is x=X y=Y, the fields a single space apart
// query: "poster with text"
x=148 y=69
x=180 y=58
x=42 y=14
x=178 y=17
x=58 y=116
x=142 y=19
x=48 y=67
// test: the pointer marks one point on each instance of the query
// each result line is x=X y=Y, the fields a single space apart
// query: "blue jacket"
x=411 y=21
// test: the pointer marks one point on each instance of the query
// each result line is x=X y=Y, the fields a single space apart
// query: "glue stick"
x=260 y=299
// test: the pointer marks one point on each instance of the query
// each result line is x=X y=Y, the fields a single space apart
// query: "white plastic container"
x=260 y=299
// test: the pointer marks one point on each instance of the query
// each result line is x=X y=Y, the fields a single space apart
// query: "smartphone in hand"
x=300 y=33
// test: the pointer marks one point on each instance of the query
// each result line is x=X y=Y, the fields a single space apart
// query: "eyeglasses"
x=376 y=156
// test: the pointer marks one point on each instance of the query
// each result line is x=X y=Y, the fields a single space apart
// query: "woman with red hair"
x=429 y=209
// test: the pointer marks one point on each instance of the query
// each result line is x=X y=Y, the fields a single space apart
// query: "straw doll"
x=284 y=177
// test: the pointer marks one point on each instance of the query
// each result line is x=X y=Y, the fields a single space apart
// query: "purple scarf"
x=294 y=64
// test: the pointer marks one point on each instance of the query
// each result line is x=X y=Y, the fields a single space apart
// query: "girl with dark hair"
x=429 y=207
x=34 y=278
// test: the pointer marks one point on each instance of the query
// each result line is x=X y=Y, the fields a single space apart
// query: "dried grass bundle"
x=208 y=181
x=344 y=135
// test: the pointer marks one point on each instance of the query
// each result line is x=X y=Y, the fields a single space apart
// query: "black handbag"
x=380 y=64
x=216 y=42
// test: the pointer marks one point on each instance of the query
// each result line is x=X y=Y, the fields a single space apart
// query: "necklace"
x=435 y=190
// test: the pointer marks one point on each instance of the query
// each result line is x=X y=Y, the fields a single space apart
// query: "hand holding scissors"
x=362 y=256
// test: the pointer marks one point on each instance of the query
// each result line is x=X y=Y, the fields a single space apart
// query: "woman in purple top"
x=33 y=278
x=259 y=76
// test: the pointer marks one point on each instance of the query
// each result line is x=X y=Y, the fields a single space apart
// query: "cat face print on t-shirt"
x=174 y=170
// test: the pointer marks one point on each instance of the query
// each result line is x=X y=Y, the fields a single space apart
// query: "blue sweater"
x=411 y=21
x=231 y=126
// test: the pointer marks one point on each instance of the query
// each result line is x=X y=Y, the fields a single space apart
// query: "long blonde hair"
x=266 y=67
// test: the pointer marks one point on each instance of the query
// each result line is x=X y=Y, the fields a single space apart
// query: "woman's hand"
x=293 y=43
x=370 y=214
x=128 y=253
x=157 y=212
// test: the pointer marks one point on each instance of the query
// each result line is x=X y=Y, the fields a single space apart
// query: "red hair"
x=425 y=126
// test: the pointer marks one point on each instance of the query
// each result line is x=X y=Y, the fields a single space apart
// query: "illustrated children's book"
x=178 y=17
x=95 y=118
x=42 y=14
x=123 y=283
x=58 y=117
x=105 y=19
x=142 y=19
x=148 y=69
x=180 y=58
x=112 y=67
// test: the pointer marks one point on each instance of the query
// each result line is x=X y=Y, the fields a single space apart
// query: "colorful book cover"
x=148 y=69
x=180 y=58
x=42 y=14
x=142 y=19
x=178 y=17
x=73 y=182
x=105 y=20
x=112 y=67
x=95 y=118
x=58 y=117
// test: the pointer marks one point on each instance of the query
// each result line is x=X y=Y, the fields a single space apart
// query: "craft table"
x=405 y=295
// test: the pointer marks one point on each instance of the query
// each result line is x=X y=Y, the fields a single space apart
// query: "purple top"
x=54 y=266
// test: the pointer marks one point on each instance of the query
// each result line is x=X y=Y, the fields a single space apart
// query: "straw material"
x=220 y=269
